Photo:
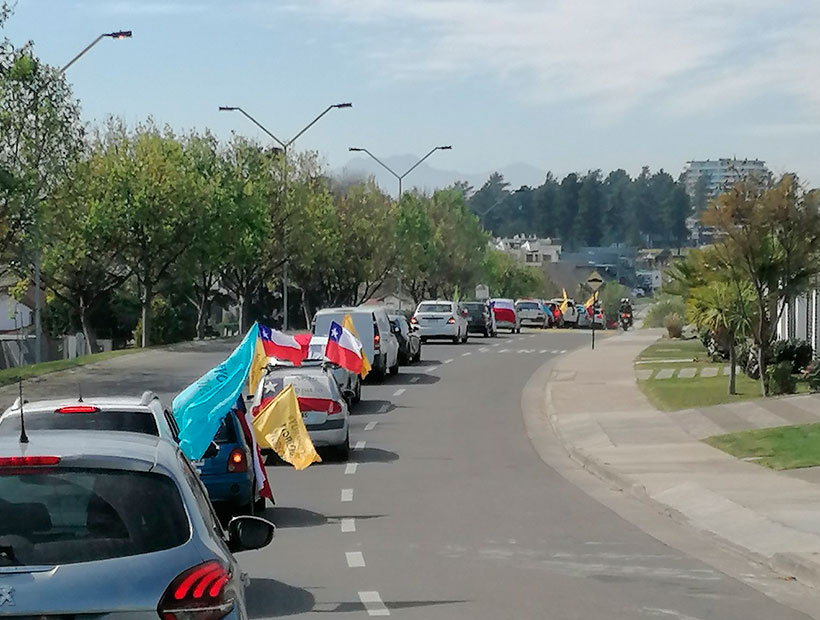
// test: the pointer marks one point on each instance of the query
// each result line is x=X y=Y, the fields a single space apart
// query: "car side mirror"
x=212 y=451
x=247 y=533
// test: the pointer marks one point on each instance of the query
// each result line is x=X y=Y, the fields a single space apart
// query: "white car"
x=506 y=316
x=441 y=319
x=570 y=313
x=349 y=383
x=373 y=328
x=325 y=411
x=531 y=312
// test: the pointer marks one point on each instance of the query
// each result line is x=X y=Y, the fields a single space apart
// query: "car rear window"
x=68 y=516
x=226 y=432
x=126 y=421
x=527 y=305
x=435 y=308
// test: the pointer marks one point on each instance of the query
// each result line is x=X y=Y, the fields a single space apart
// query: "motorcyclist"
x=626 y=309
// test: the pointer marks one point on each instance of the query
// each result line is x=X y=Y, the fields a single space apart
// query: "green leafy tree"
x=676 y=210
x=507 y=278
x=589 y=218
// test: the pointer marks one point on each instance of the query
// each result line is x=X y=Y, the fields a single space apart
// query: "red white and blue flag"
x=344 y=349
x=246 y=422
x=281 y=346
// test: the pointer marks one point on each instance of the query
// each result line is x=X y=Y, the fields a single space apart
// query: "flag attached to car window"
x=344 y=349
x=347 y=323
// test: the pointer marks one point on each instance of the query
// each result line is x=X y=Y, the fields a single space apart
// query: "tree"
x=568 y=208
x=771 y=239
x=589 y=218
x=488 y=200
x=676 y=211
x=507 y=278
x=701 y=197
x=416 y=247
x=725 y=309
x=618 y=216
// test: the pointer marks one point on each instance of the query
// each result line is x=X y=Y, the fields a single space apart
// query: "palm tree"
x=725 y=309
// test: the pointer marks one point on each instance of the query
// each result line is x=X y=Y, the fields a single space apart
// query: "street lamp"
x=119 y=34
x=285 y=146
x=398 y=176
x=38 y=324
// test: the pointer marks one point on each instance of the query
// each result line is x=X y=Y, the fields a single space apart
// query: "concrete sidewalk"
x=606 y=424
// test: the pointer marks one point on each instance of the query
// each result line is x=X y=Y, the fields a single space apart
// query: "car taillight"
x=414 y=321
x=77 y=409
x=28 y=461
x=377 y=341
x=198 y=594
x=623 y=316
x=334 y=408
x=237 y=461
x=451 y=320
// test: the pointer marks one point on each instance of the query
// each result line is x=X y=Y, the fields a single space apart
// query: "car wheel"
x=259 y=505
x=394 y=370
x=358 y=392
x=486 y=333
x=342 y=451
x=417 y=359
x=456 y=339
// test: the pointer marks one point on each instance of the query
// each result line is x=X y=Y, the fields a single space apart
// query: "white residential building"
x=801 y=319
x=529 y=249
x=720 y=174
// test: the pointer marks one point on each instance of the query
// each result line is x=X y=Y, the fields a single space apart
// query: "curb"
x=802 y=567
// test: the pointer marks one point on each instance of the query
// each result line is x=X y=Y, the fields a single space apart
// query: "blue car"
x=229 y=475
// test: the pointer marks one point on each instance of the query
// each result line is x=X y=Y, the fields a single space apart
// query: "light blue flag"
x=200 y=408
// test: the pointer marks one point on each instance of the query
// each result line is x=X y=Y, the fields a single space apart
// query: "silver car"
x=114 y=525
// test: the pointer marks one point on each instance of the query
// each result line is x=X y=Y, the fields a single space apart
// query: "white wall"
x=8 y=308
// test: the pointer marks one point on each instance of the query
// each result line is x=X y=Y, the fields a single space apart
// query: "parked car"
x=226 y=466
x=373 y=328
x=587 y=319
x=325 y=411
x=409 y=340
x=480 y=318
x=556 y=316
x=441 y=319
x=349 y=382
x=570 y=313
x=119 y=524
x=531 y=312
x=506 y=316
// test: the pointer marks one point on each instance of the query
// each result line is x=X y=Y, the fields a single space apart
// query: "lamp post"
x=399 y=177
x=285 y=146
x=38 y=324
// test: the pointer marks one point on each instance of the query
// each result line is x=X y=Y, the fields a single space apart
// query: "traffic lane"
x=480 y=527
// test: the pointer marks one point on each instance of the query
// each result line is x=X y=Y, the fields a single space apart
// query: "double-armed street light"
x=285 y=146
x=400 y=177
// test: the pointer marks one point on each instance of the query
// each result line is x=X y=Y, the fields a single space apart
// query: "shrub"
x=665 y=306
x=779 y=378
x=673 y=324
x=714 y=349
x=812 y=375
x=794 y=350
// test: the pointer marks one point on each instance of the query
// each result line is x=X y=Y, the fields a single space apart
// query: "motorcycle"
x=626 y=321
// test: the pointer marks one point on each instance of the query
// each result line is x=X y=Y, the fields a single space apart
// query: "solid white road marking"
x=355 y=559
x=373 y=604
x=351 y=468
x=448 y=361
x=399 y=392
x=348 y=525
x=431 y=369
x=370 y=426
x=465 y=354
x=347 y=495
x=360 y=445
x=414 y=379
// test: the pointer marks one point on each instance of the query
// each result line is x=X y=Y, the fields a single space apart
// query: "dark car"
x=229 y=475
x=479 y=318
x=409 y=340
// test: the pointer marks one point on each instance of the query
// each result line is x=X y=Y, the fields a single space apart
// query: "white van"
x=373 y=327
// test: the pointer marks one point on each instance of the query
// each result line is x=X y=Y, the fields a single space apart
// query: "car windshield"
x=435 y=308
x=475 y=309
x=126 y=421
x=68 y=516
x=527 y=305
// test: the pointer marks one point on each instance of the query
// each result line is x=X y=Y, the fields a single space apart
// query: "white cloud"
x=139 y=7
x=611 y=56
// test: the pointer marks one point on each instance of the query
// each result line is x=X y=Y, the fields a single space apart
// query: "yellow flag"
x=258 y=365
x=348 y=325
x=590 y=301
x=279 y=426
x=564 y=303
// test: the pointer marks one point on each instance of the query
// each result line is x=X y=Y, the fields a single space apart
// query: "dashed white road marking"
x=497 y=344
x=399 y=392
x=522 y=350
x=504 y=351
x=483 y=350
x=448 y=361
x=465 y=354
x=347 y=495
x=384 y=408
x=351 y=468
x=562 y=351
x=542 y=351
x=431 y=369
x=414 y=379
x=348 y=524
x=533 y=336
x=370 y=426
x=360 y=445
x=355 y=559
x=373 y=604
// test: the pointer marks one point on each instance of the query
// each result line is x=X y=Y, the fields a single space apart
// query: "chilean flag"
x=504 y=311
x=281 y=346
x=344 y=349
x=246 y=422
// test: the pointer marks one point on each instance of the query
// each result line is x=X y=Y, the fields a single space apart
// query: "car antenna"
x=79 y=392
x=19 y=326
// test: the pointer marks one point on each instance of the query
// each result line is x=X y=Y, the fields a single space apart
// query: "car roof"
x=136 y=448
x=104 y=403
x=299 y=370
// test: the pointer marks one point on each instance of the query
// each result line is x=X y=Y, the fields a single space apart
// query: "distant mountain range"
x=428 y=178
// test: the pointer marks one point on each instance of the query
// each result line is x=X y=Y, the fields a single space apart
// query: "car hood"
x=129 y=584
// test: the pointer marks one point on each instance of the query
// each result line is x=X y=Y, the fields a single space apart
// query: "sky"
x=561 y=85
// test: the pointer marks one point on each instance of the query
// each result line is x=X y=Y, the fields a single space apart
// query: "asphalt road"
x=445 y=509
